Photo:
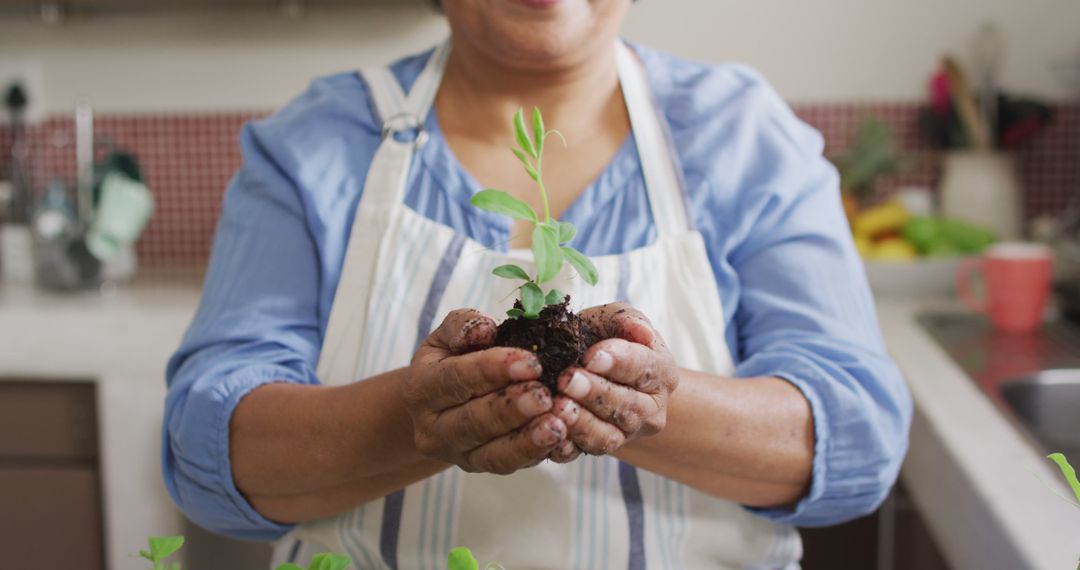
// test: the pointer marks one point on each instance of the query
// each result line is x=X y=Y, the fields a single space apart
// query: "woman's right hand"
x=478 y=406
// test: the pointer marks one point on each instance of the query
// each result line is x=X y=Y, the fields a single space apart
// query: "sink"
x=1033 y=378
x=1048 y=404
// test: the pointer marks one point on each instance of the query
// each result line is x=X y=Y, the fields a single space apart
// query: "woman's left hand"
x=622 y=392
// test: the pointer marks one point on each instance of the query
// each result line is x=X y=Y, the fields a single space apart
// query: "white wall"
x=812 y=50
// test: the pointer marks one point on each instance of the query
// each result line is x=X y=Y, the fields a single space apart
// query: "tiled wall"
x=188 y=160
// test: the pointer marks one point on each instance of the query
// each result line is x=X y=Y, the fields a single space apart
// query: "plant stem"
x=543 y=191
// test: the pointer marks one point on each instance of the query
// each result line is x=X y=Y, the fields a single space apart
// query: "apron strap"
x=663 y=176
x=383 y=189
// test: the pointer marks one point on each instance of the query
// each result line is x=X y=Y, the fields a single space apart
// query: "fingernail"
x=578 y=387
x=570 y=413
x=526 y=369
x=475 y=331
x=601 y=362
x=534 y=403
x=549 y=433
x=566 y=449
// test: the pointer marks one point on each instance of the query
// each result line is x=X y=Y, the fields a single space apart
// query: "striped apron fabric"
x=404 y=273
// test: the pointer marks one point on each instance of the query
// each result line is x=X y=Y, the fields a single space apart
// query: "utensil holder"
x=983 y=188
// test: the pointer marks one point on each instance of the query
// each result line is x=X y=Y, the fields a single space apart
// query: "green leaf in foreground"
x=511 y=272
x=462 y=559
x=500 y=202
x=582 y=265
x=1068 y=471
x=329 y=561
x=289 y=566
x=515 y=313
x=522 y=134
x=532 y=299
x=162 y=547
x=554 y=297
x=538 y=131
x=546 y=253
x=567 y=231
x=524 y=158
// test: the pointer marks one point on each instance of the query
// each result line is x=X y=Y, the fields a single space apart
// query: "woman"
x=742 y=389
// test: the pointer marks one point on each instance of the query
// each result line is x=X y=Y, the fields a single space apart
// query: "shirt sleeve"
x=257 y=323
x=806 y=315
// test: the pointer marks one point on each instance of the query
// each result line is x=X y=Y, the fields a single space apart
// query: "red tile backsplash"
x=188 y=159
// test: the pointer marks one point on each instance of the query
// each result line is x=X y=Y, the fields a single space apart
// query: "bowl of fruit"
x=910 y=255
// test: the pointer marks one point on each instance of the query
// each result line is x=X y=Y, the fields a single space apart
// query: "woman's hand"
x=479 y=406
x=622 y=393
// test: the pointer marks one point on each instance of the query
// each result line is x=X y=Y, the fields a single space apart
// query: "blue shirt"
x=796 y=301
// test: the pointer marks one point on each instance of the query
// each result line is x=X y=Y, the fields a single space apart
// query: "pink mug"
x=1016 y=279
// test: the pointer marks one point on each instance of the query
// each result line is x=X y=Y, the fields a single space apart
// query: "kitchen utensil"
x=974 y=122
x=1020 y=119
x=1016 y=278
x=124 y=209
x=16 y=102
x=62 y=261
x=982 y=188
x=989 y=52
x=84 y=161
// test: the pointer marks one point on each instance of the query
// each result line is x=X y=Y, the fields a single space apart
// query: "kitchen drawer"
x=51 y=518
x=47 y=420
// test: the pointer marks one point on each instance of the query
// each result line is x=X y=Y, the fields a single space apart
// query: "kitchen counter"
x=972 y=474
x=121 y=342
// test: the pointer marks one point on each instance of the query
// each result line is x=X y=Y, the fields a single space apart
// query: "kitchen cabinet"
x=50 y=480
x=893 y=538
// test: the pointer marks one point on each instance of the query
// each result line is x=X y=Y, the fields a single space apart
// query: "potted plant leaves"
x=541 y=320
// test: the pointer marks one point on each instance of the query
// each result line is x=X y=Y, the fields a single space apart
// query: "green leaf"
x=515 y=313
x=510 y=272
x=175 y=566
x=532 y=299
x=524 y=158
x=1068 y=471
x=145 y=555
x=502 y=203
x=162 y=547
x=546 y=253
x=289 y=566
x=462 y=559
x=554 y=297
x=538 y=131
x=533 y=173
x=522 y=134
x=330 y=561
x=584 y=267
x=567 y=231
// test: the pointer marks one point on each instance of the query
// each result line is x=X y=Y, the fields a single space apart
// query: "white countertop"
x=973 y=476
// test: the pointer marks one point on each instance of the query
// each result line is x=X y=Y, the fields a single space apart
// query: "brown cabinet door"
x=50 y=517
x=54 y=420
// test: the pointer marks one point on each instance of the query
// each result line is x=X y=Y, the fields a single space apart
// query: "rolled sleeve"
x=199 y=471
x=857 y=449
x=257 y=323
x=805 y=314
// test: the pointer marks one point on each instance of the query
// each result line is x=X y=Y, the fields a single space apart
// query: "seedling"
x=162 y=547
x=549 y=237
x=462 y=559
x=324 y=561
x=1069 y=473
x=1070 y=477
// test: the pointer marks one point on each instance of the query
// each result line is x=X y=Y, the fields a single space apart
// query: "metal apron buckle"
x=403 y=123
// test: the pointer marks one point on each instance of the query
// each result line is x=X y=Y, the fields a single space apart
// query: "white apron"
x=403 y=273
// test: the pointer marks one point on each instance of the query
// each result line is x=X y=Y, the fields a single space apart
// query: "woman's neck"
x=479 y=93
